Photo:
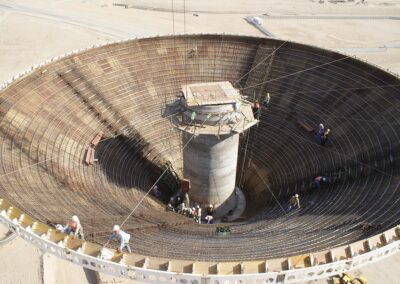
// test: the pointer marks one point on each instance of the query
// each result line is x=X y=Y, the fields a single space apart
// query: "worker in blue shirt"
x=320 y=181
x=266 y=100
x=320 y=133
x=122 y=237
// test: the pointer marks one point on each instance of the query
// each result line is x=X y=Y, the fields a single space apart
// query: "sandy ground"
x=32 y=31
x=20 y=261
x=376 y=41
x=271 y=7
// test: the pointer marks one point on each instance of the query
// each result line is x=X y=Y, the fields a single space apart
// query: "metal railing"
x=78 y=256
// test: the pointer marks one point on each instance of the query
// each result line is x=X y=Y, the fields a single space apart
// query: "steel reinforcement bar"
x=88 y=255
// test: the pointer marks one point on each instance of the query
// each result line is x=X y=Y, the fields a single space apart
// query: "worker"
x=319 y=181
x=321 y=129
x=294 y=202
x=194 y=214
x=320 y=133
x=256 y=109
x=74 y=228
x=187 y=211
x=266 y=100
x=325 y=136
x=186 y=199
x=170 y=207
x=180 y=208
x=178 y=199
x=60 y=228
x=122 y=237
x=156 y=192
x=198 y=214
x=210 y=210
x=209 y=219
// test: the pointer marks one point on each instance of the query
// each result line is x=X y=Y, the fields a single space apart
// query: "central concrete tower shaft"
x=212 y=117
x=210 y=162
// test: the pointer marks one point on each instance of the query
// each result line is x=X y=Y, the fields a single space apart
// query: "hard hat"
x=321 y=125
x=296 y=195
x=328 y=130
x=197 y=206
x=210 y=206
x=75 y=219
x=115 y=228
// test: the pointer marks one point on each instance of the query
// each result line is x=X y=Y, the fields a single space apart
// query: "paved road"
x=336 y=17
x=101 y=27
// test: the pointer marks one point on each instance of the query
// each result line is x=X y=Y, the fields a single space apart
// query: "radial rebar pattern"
x=49 y=117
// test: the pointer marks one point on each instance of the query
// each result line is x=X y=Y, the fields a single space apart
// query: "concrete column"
x=216 y=113
x=210 y=164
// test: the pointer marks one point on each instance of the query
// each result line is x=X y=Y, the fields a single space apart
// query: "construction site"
x=125 y=107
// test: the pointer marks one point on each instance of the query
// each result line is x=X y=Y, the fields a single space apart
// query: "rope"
x=184 y=16
x=346 y=89
x=269 y=55
x=173 y=17
x=159 y=178
x=282 y=77
x=185 y=41
x=276 y=199
x=217 y=55
x=40 y=162
x=244 y=158
x=298 y=72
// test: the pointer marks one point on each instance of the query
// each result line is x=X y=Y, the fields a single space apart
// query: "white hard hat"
x=296 y=195
x=321 y=125
x=75 y=219
x=115 y=228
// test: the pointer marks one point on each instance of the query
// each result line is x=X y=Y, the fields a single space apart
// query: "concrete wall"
x=210 y=163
